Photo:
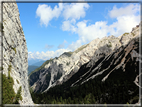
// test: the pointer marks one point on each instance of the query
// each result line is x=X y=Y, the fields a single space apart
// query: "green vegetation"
x=2 y=27
x=67 y=63
x=9 y=70
x=17 y=81
x=18 y=96
x=80 y=48
x=14 y=49
x=133 y=34
x=85 y=94
x=125 y=34
x=42 y=66
x=8 y=94
x=109 y=45
x=114 y=90
x=68 y=53
x=1 y=68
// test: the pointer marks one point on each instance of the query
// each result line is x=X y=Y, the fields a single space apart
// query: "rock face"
x=15 y=54
x=70 y=62
x=111 y=76
x=124 y=59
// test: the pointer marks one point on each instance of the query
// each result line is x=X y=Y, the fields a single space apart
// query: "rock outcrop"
x=15 y=54
x=69 y=63
x=112 y=76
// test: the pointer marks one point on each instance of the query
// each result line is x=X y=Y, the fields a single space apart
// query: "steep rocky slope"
x=63 y=67
x=112 y=79
x=68 y=63
x=15 y=54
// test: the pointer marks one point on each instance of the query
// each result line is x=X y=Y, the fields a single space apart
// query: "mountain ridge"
x=70 y=65
x=113 y=79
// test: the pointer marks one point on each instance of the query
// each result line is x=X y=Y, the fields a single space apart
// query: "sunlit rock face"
x=15 y=53
x=69 y=62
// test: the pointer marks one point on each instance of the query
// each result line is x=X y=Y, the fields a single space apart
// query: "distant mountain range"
x=35 y=62
x=31 y=68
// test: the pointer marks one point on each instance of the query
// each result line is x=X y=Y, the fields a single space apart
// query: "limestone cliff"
x=112 y=76
x=69 y=63
x=15 y=53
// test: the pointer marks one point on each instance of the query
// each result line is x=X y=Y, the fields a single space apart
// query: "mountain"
x=112 y=78
x=66 y=65
x=38 y=63
x=15 y=87
x=35 y=62
x=31 y=68
x=60 y=66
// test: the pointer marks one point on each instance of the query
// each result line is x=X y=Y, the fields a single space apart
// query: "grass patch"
x=17 y=81
x=109 y=45
x=125 y=34
x=133 y=34
x=80 y=48
x=9 y=70
x=14 y=49
x=68 y=53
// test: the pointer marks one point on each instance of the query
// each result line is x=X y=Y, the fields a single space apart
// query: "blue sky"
x=53 y=28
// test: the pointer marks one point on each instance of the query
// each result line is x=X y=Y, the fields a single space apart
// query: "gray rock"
x=70 y=62
x=15 y=51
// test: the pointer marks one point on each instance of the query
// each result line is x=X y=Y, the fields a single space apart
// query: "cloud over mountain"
x=126 y=17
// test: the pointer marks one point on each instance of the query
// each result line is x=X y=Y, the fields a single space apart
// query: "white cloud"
x=70 y=11
x=127 y=10
x=75 y=10
x=126 y=18
x=75 y=45
x=88 y=33
x=46 y=13
x=125 y=22
x=69 y=25
x=46 y=55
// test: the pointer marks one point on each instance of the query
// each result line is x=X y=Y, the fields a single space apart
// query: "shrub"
x=125 y=34
x=133 y=34
x=109 y=45
x=18 y=96
x=9 y=70
x=17 y=81
x=2 y=27
x=1 y=68
x=14 y=49
x=67 y=63
x=8 y=93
